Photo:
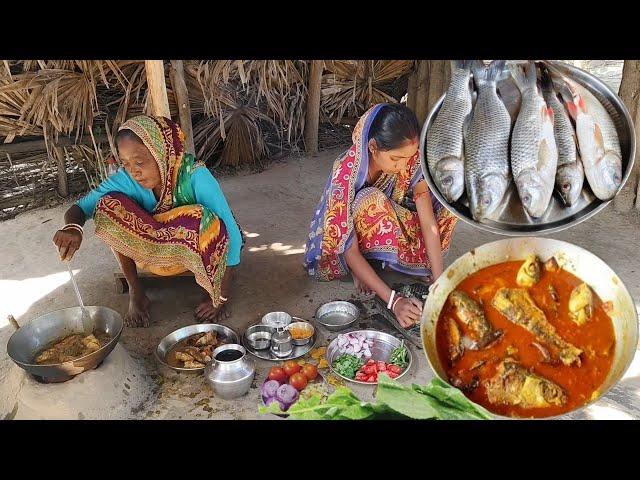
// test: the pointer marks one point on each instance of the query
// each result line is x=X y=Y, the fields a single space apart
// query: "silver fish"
x=534 y=155
x=570 y=173
x=597 y=138
x=486 y=142
x=445 y=155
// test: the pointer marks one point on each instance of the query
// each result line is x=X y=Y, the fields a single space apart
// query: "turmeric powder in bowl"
x=300 y=330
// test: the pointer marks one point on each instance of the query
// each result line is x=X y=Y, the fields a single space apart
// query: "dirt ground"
x=274 y=207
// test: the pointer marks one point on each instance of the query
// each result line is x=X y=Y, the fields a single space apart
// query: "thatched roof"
x=242 y=110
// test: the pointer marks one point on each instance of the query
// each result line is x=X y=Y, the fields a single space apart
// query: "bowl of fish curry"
x=530 y=327
x=510 y=158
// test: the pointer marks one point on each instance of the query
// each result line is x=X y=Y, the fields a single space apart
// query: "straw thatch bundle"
x=242 y=111
x=350 y=87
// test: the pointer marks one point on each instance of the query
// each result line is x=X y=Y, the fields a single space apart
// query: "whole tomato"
x=298 y=381
x=310 y=371
x=277 y=374
x=290 y=367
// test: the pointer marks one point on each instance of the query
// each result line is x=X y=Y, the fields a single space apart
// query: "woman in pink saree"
x=365 y=212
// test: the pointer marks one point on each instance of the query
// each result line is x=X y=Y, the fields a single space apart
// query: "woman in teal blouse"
x=163 y=212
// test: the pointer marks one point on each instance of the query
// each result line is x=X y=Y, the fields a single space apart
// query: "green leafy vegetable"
x=399 y=357
x=437 y=400
x=347 y=365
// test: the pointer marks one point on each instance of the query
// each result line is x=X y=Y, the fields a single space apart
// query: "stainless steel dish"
x=30 y=339
x=276 y=319
x=298 y=351
x=383 y=345
x=225 y=334
x=580 y=262
x=259 y=336
x=306 y=325
x=511 y=220
x=335 y=316
x=230 y=378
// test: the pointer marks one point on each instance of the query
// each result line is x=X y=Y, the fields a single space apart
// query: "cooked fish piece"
x=197 y=354
x=581 y=304
x=551 y=265
x=193 y=364
x=48 y=355
x=517 y=305
x=529 y=273
x=471 y=314
x=208 y=350
x=515 y=385
x=91 y=344
x=456 y=349
x=183 y=357
x=209 y=338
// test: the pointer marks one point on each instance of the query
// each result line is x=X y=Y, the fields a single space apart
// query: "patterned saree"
x=379 y=217
x=179 y=234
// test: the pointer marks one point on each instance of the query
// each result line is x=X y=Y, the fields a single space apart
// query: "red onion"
x=286 y=394
x=269 y=388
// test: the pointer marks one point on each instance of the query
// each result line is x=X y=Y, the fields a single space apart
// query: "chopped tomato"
x=371 y=379
x=381 y=366
x=371 y=361
x=392 y=374
x=394 y=368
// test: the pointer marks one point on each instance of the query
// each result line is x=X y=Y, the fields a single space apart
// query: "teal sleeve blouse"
x=205 y=187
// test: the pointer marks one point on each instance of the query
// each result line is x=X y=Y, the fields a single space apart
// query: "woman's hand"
x=67 y=242
x=408 y=311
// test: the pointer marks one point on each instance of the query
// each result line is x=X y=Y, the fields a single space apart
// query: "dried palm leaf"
x=351 y=87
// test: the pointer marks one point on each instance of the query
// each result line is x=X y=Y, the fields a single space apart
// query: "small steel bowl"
x=168 y=342
x=259 y=336
x=338 y=315
x=308 y=327
x=276 y=319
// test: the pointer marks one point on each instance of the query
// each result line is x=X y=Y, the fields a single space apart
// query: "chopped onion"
x=355 y=344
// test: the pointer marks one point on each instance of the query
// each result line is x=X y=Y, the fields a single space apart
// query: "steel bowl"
x=578 y=261
x=259 y=336
x=306 y=325
x=335 y=316
x=30 y=339
x=511 y=219
x=168 y=342
x=383 y=345
x=276 y=319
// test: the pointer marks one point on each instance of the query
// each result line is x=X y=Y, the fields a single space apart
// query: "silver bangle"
x=391 y=297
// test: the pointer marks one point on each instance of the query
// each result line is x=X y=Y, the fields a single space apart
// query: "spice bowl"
x=259 y=336
x=301 y=332
x=276 y=319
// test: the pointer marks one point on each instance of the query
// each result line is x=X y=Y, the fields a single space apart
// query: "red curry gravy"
x=596 y=339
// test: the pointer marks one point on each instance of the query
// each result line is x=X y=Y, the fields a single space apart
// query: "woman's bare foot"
x=138 y=314
x=361 y=287
x=207 y=313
